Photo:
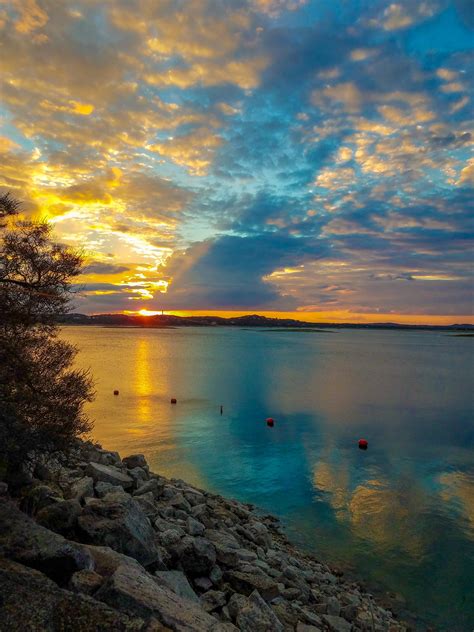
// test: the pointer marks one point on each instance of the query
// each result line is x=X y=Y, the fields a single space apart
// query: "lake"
x=400 y=515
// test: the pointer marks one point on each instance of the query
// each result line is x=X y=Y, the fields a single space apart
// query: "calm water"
x=401 y=514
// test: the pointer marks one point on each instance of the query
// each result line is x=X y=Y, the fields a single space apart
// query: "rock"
x=102 y=489
x=226 y=546
x=43 y=472
x=139 y=475
x=246 y=583
x=169 y=538
x=224 y=627
x=121 y=524
x=134 y=460
x=28 y=543
x=3 y=488
x=136 y=591
x=30 y=601
x=60 y=517
x=337 y=624
x=216 y=575
x=86 y=582
x=147 y=503
x=212 y=600
x=82 y=488
x=195 y=527
x=254 y=615
x=333 y=606
x=109 y=474
x=303 y=627
x=106 y=560
x=197 y=556
x=153 y=485
x=203 y=583
x=178 y=583
x=38 y=497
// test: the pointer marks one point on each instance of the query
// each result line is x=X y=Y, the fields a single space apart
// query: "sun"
x=148 y=312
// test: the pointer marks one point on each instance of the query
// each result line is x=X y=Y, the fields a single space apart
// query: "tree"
x=42 y=395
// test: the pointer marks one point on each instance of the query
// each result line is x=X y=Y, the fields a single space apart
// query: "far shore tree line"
x=42 y=394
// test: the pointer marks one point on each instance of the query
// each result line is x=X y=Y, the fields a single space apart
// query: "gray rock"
x=60 y=517
x=337 y=624
x=106 y=560
x=121 y=524
x=164 y=525
x=197 y=556
x=102 y=488
x=226 y=546
x=3 y=488
x=147 y=503
x=333 y=606
x=247 y=583
x=29 y=601
x=216 y=575
x=195 y=527
x=303 y=627
x=136 y=591
x=38 y=497
x=134 y=460
x=212 y=600
x=178 y=583
x=224 y=626
x=169 y=538
x=139 y=476
x=82 y=488
x=253 y=614
x=109 y=474
x=153 y=485
x=203 y=583
x=86 y=582
x=28 y=543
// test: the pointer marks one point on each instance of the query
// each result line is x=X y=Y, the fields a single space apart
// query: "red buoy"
x=174 y=400
x=270 y=421
x=363 y=444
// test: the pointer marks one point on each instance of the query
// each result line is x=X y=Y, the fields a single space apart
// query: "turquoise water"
x=401 y=514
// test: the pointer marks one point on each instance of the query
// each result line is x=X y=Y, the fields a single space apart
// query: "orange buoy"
x=174 y=400
x=270 y=421
x=116 y=392
x=363 y=444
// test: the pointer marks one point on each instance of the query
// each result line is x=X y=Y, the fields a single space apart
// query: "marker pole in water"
x=222 y=409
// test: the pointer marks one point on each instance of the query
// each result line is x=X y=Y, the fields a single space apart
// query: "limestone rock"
x=102 y=489
x=109 y=474
x=212 y=600
x=154 y=485
x=121 y=524
x=136 y=591
x=337 y=624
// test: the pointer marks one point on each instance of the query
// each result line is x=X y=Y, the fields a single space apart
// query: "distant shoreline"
x=169 y=321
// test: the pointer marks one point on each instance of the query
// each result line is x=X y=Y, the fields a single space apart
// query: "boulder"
x=337 y=624
x=139 y=475
x=109 y=474
x=60 y=517
x=197 y=556
x=212 y=600
x=38 y=497
x=154 y=485
x=195 y=527
x=253 y=614
x=136 y=591
x=178 y=583
x=102 y=489
x=226 y=546
x=134 y=460
x=247 y=583
x=82 y=488
x=28 y=543
x=30 y=601
x=86 y=582
x=120 y=523
x=106 y=560
x=203 y=584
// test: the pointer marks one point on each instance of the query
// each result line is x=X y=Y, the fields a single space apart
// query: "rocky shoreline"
x=89 y=541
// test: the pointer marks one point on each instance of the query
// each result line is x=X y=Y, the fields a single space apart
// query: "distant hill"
x=252 y=321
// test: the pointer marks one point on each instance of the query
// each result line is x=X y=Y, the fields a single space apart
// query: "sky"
x=297 y=157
